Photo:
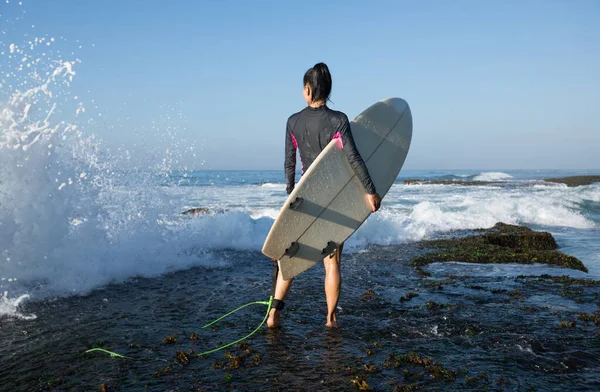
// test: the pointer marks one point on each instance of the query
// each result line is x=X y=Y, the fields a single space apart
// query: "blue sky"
x=492 y=85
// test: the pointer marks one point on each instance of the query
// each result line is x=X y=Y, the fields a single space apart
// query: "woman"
x=311 y=130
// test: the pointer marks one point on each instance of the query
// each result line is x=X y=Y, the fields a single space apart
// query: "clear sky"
x=492 y=84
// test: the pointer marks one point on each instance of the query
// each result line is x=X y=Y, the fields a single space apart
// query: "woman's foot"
x=331 y=321
x=274 y=319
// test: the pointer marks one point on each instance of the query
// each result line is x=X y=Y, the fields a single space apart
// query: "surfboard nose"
x=398 y=104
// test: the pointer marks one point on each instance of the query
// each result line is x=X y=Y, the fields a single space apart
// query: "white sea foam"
x=590 y=193
x=492 y=176
x=274 y=186
x=11 y=307
x=438 y=210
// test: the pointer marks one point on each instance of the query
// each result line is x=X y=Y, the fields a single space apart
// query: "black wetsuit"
x=311 y=130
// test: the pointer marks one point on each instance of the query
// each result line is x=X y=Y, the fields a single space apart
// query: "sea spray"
x=10 y=307
x=70 y=218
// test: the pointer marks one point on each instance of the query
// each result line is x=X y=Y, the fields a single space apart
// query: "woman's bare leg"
x=281 y=290
x=333 y=282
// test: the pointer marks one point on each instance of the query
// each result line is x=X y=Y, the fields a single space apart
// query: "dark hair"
x=319 y=80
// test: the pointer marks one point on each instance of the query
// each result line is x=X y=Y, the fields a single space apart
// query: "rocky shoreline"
x=572 y=181
x=405 y=325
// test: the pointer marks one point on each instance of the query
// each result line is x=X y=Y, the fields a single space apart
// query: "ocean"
x=109 y=226
x=95 y=251
x=109 y=260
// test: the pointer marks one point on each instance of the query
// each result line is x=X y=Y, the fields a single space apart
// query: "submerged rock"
x=575 y=180
x=503 y=244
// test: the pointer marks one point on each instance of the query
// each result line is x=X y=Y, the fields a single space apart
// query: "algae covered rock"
x=520 y=237
x=502 y=244
x=575 y=180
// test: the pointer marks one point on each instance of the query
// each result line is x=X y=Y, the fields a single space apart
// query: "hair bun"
x=319 y=80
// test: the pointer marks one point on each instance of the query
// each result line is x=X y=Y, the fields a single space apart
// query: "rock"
x=575 y=180
x=197 y=211
x=511 y=236
x=504 y=244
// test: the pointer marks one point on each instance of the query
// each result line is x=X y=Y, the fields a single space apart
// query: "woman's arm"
x=290 y=159
x=354 y=157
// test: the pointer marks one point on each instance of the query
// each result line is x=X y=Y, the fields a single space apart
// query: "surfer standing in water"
x=310 y=131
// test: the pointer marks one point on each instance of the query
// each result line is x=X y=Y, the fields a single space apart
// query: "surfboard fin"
x=296 y=203
x=292 y=250
x=330 y=248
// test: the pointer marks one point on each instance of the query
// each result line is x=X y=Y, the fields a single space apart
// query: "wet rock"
x=182 y=358
x=163 y=372
x=360 y=383
x=575 y=180
x=574 y=363
x=567 y=324
x=431 y=305
x=584 y=316
x=368 y=295
x=579 y=360
x=435 y=370
x=237 y=358
x=202 y=211
x=519 y=237
x=422 y=273
x=170 y=339
x=406 y=388
x=370 y=368
x=197 y=211
x=503 y=244
x=537 y=346
x=104 y=388
x=408 y=296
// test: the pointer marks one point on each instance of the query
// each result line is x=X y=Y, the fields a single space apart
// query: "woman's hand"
x=374 y=201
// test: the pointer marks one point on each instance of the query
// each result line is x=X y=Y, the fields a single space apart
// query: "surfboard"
x=329 y=202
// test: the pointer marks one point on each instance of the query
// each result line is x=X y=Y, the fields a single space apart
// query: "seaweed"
x=505 y=244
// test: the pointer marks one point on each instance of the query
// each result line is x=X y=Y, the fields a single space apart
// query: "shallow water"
x=505 y=333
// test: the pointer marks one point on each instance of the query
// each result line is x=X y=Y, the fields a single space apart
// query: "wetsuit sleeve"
x=290 y=160
x=354 y=157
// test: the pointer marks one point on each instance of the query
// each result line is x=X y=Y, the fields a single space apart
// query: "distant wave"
x=449 y=179
x=492 y=176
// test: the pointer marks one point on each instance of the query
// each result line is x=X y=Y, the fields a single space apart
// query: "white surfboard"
x=329 y=202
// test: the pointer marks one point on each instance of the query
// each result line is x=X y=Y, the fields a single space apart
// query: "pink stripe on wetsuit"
x=294 y=140
x=338 y=136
